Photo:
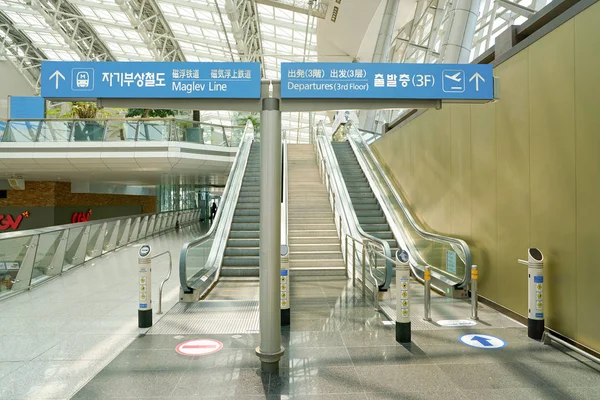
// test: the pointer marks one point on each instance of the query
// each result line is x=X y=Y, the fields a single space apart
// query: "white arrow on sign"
x=477 y=78
x=58 y=76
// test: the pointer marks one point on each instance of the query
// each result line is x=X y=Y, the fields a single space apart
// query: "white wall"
x=11 y=83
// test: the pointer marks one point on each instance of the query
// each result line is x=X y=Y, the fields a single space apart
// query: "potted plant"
x=87 y=130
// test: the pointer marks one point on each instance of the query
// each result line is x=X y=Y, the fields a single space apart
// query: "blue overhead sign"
x=387 y=81
x=167 y=80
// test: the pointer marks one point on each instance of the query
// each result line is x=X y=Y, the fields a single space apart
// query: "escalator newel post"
x=427 y=302
x=535 y=293
x=474 y=278
x=403 y=326
x=145 y=285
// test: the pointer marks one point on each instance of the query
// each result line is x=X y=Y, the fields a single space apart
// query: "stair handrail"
x=225 y=211
x=284 y=199
x=332 y=169
x=368 y=161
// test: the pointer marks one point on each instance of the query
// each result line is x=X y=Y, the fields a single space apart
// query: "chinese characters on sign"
x=387 y=81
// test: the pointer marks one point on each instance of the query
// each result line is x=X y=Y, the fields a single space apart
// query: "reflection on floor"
x=56 y=337
x=339 y=347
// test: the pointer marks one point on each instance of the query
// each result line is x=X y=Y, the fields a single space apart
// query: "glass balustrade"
x=29 y=258
x=116 y=130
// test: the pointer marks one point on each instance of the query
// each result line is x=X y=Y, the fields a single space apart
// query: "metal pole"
x=270 y=349
x=353 y=262
x=364 y=268
x=427 y=303
x=474 y=277
x=345 y=251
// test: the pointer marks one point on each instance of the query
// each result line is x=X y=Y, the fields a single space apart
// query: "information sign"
x=96 y=80
x=387 y=81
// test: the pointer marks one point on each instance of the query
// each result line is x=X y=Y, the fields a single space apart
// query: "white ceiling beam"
x=147 y=18
x=18 y=49
x=66 y=20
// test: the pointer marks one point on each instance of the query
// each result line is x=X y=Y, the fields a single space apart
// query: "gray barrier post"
x=145 y=285
x=402 y=298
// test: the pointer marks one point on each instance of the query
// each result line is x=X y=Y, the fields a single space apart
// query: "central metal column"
x=458 y=40
x=270 y=349
x=382 y=50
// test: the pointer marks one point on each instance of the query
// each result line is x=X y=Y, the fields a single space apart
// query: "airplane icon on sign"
x=454 y=81
x=456 y=77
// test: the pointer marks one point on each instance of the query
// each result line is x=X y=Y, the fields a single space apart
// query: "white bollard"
x=145 y=278
x=535 y=293
x=402 y=298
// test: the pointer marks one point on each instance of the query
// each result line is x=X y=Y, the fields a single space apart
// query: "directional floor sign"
x=483 y=341
x=199 y=347
x=193 y=80
x=387 y=81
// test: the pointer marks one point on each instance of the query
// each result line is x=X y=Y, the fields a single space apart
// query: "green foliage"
x=149 y=113
x=82 y=110
x=240 y=119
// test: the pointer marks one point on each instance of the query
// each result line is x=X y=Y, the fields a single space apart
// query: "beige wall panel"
x=514 y=204
x=439 y=215
x=484 y=199
x=460 y=136
x=587 y=121
x=424 y=189
x=553 y=186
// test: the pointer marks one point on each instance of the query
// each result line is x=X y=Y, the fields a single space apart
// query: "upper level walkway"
x=106 y=149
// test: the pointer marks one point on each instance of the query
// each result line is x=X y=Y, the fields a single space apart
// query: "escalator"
x=229 y=252
x=379 y=211
x=242 y=250
x=370 y=215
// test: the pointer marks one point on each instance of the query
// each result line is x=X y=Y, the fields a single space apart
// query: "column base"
x=285 y=317
x=269 y=362
x=403 y=332
x=535 y=328
x=145 y=318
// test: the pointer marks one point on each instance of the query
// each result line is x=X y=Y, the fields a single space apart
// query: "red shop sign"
x=81 y=217
x=9 y=222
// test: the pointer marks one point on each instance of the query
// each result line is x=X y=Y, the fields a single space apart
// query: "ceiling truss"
x=246 y=29
x=147 y=18
x=16 y=47
x=319 y=7
x=65 y=19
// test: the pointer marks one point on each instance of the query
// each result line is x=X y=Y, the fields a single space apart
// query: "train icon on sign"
x=82 y=79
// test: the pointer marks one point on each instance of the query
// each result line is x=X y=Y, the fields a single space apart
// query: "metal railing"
x=119 y=129
x=29 y=258
x=346 y=221
x=425 y=248
x=200 y=259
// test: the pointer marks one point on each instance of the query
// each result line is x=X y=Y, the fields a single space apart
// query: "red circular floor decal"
x=199 y=347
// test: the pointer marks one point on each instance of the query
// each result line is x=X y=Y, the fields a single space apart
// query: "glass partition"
x=55 y=131
x=32 y=257
x=115 y=130
x=12 y=255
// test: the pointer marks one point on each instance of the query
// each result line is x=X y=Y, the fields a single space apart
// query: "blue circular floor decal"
x=483 y=341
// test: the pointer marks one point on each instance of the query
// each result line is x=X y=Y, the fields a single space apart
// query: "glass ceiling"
x=202 y=28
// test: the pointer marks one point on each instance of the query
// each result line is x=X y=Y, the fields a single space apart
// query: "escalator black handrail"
x=237 y=168
x=454 y=242
x=350 y=214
